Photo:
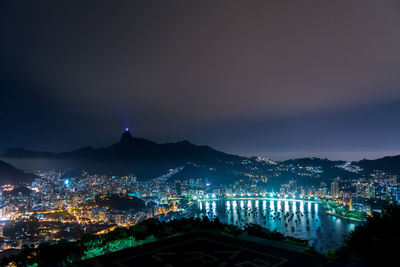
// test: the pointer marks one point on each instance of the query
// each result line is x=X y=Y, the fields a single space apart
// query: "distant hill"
x=223 y=174
x=140 y=156
x=330 y=171
x=147 y=159
x=12 y=175
x=389 y=164
x=325 y=163
x=129 y=148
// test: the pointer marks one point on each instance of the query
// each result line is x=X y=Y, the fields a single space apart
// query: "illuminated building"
x=335 y=189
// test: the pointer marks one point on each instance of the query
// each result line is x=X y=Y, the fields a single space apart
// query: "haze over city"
x=249 y=78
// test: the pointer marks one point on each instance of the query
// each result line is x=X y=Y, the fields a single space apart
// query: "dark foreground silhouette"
x=375 y=242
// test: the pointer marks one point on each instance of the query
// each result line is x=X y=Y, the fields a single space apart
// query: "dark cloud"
x=200 y=70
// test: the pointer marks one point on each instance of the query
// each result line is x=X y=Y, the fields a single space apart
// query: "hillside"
x=129 y=148
x=130 y=155
x=11 y=175
x=389 y=164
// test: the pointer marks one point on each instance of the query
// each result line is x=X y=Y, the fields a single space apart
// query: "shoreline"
x=344 y=217
x=256 y=198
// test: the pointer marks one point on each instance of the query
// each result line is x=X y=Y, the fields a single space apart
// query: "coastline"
x=344 y=217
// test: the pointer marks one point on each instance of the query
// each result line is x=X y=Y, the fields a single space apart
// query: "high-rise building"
x=335 y=189
x=293 y=186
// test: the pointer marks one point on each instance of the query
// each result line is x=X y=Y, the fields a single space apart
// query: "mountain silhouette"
x=390 y=164
x=11 y=175
x=129 y=148
x=132 y=155
x=147 y=159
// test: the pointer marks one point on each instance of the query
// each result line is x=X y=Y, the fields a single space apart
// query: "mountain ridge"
x=388 y=163
x=11 y=175
x=148 y=159
x=129 y=147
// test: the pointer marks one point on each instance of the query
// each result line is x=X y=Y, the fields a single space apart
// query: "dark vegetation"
x=118 y=202
x=375 y=242
x=64 y=252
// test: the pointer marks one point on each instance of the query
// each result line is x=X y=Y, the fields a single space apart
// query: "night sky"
x=281 y=79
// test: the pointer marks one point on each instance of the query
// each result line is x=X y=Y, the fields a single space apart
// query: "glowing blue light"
x=126 y=129
x=67 y=182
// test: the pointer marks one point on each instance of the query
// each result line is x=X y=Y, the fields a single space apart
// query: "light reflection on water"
x=303 y=220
